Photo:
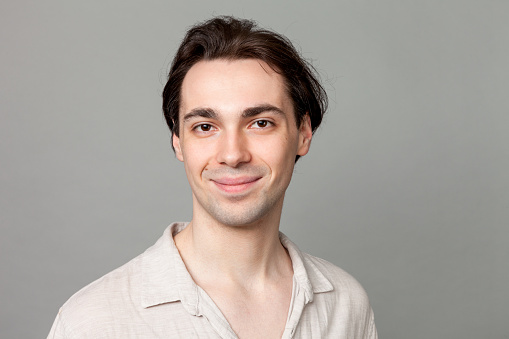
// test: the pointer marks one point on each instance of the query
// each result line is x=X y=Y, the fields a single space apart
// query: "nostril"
x=233 y=150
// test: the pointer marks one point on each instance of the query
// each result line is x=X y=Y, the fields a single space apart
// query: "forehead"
x=232 y=85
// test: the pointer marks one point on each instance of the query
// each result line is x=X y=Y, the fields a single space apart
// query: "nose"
x=233 y=149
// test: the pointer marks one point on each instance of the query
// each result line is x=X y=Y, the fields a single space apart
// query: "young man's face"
x=238 y=140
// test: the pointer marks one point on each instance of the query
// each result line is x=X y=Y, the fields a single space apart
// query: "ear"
x=176 y=147
x=305 y=135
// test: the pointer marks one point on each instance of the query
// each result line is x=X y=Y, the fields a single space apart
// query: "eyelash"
x=268 y=123
x=199 y=127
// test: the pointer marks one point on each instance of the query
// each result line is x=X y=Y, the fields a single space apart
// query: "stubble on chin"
x=238 y=214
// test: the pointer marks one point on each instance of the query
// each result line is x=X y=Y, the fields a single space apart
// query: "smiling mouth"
x=235 y=185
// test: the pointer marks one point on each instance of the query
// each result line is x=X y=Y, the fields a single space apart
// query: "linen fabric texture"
x=154 y=296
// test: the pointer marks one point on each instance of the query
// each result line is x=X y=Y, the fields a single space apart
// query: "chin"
x=238 y=220
x=239 y=216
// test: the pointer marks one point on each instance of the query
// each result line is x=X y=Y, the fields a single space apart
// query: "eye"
x=203 y=128
x=261 y=124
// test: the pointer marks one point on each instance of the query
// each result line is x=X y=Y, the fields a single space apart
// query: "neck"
x=249 y=255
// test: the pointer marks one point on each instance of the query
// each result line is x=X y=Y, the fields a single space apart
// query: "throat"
x=244 y=258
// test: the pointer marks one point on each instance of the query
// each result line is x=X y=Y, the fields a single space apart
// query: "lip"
x=235 y=185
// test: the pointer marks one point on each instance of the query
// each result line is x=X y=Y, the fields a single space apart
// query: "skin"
x=238 y=141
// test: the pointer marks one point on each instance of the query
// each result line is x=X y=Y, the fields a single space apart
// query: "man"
x=242 y=106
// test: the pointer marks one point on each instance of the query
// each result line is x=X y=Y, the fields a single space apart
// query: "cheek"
x=196 y=158
x=278 y=153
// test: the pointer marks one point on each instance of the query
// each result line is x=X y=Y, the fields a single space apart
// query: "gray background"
x=406 y=185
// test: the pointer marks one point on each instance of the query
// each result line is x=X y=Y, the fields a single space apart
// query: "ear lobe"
x=176 y=147
x=305 y=136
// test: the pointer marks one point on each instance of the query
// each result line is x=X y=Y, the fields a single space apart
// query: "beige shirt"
x=154 y=296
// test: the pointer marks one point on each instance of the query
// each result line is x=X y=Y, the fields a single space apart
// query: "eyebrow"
x=254 y=111
x=201 y=112
x=247 y=113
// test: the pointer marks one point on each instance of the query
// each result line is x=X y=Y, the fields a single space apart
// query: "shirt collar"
x=305 y=272
x=165 y=277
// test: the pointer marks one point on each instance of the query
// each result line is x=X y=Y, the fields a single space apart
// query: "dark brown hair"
x=226 y=37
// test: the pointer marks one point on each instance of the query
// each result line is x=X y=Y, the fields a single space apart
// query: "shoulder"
x=327 y=280
x=338 y=277
x=117 y=283
x=345 y=288
x=114 y=304
x=345 y=301
x=100 y=302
